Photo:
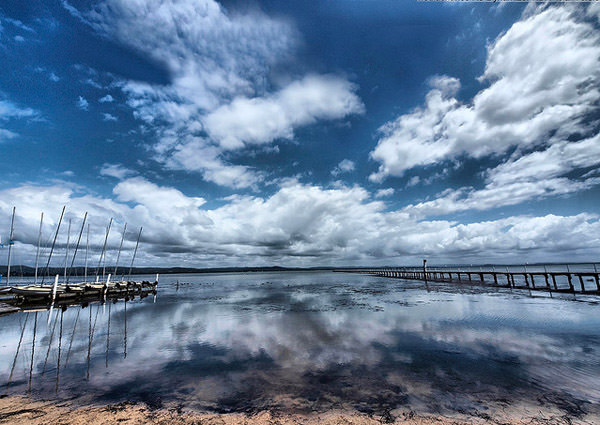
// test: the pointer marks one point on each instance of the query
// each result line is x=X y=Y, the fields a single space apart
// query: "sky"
x=251 y=133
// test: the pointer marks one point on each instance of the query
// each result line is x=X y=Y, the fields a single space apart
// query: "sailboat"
x=68 y=290
x=10 y=245
x=5 y=289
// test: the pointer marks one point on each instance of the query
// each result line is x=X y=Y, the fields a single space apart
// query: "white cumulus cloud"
x=535 y=96
x=383 y=193
x=264 y=119
x=82 y=103
x=8 y=111
x=106 y=99
x=117 y=171
x=219 y=97
x=345 y=166
x=340 y=225
x=536 y=175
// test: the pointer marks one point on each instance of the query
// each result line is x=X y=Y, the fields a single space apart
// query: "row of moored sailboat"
x=73 y=288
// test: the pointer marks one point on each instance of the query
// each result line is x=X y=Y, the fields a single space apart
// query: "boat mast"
x=125 y=333
x=32 y=352
x=72 y=336
x=107 y=336
x=120 y=247
x=134 y=252
x=59 y=349
x=51 y=339
x=12 y=369
x=67 y=249
x=53 y=243
x=37 y=254
x=102 y=254
x=10 y=244
x=77 y=246
x=87 y=247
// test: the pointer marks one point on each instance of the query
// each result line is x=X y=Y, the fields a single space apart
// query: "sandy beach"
x=22 y=410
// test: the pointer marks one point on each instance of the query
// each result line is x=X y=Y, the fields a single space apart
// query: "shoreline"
x=18 y=410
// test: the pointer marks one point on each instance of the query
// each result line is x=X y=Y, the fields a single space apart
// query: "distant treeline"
x=18 y=270
x=79 y=271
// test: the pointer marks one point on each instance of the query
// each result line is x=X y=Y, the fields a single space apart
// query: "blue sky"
x=302 y=133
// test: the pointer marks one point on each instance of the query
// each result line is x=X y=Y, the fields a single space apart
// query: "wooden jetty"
x=585 y=282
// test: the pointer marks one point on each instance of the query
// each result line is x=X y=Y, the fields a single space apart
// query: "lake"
x=313 y=341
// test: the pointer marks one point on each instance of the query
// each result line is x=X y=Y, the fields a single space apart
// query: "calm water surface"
x=312 y=341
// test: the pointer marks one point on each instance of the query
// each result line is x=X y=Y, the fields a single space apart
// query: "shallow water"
x=306 y=341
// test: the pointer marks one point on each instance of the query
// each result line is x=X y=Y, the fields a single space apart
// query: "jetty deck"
x=584 y=282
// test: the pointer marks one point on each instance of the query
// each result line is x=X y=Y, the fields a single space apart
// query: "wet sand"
x=22 y=410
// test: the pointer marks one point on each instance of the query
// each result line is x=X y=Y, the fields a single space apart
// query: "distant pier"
x=584 y=282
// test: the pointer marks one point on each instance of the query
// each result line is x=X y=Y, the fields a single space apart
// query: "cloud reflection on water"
x=322 y=340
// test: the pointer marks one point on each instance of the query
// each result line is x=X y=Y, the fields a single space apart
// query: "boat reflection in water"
x=50 y=340
x=313 y=341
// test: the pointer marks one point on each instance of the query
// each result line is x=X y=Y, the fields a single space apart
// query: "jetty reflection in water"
x=312 y=341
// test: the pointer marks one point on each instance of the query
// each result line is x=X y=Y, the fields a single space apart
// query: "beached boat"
x=32 y=290
x=80 y=289
x=71 y=289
